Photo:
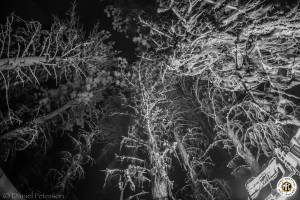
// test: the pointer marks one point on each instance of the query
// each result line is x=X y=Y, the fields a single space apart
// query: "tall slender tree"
x=53 y=83
x=241 y=60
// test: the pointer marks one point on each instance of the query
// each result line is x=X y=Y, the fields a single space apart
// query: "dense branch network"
x=240 y=60
x=52 y=85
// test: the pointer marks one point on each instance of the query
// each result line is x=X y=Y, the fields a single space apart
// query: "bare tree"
x=52 y=85
x=149 y=139
x=194 y=135
x=242 y=59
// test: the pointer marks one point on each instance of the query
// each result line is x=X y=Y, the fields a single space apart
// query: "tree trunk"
x=245 y=153
x=7 y=189
x=160 y=186
x=186 y=163
x=159 y=189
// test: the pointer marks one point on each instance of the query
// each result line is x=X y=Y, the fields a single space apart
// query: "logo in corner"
x=287 y=186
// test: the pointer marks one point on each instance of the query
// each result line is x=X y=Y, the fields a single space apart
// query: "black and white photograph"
x=150 y=99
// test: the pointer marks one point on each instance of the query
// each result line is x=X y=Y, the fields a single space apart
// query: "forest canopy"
x=209 y=94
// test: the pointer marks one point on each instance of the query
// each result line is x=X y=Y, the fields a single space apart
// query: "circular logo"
x=287 y=186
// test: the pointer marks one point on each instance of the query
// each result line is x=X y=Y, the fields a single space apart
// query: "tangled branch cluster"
x=240 y=60
x=61 y=76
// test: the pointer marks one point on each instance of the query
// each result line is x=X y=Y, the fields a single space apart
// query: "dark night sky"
x=89 y=11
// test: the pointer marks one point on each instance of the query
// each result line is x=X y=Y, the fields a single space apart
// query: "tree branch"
x=38 y=121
